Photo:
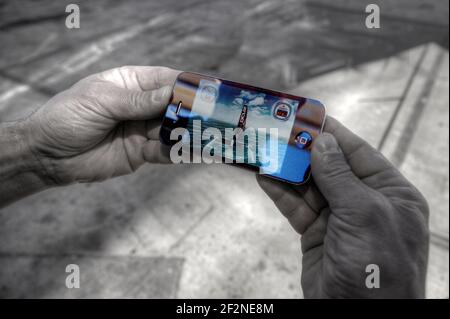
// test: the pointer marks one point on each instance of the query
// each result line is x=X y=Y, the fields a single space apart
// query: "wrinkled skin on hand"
x=105 y=125
x=358 y=210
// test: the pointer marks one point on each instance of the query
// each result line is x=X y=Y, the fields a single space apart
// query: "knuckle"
x=126 y=70
x=422 y=203
x=280 y=199
x=366 y=210
x=157 y=77
x=139 y=100
x=135 y=99
x=335 y=167
x=161 y=73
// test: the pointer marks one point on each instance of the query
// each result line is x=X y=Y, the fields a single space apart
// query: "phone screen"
x=267 y=130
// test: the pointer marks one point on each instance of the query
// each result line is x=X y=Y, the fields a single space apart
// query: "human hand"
x=105 y=125
x=357 y=210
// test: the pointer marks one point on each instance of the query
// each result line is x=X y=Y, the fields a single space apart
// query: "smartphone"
x=252 y=127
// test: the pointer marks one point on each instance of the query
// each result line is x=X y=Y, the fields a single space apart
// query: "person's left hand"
x=105 y=125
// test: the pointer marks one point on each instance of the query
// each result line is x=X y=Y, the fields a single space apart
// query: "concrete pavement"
x=149 y=234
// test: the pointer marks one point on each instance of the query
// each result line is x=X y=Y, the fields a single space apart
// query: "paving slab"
x=211 y=226
x=44 y=276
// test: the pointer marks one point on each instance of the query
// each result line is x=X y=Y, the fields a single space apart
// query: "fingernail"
x=166 y=91
x=160 y=95
x=326 y=143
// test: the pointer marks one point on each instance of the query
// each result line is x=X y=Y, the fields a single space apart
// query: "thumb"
x=124 y=104
x=332 y=173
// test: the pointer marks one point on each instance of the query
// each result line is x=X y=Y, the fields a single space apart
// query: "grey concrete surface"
x=208 y=230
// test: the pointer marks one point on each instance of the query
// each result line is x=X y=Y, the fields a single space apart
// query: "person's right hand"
x=358 y=210
x=105 y=125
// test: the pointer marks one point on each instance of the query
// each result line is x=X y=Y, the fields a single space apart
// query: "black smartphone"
x=241 y=124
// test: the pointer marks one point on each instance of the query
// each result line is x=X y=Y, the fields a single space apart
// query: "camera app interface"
x=262 y=125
